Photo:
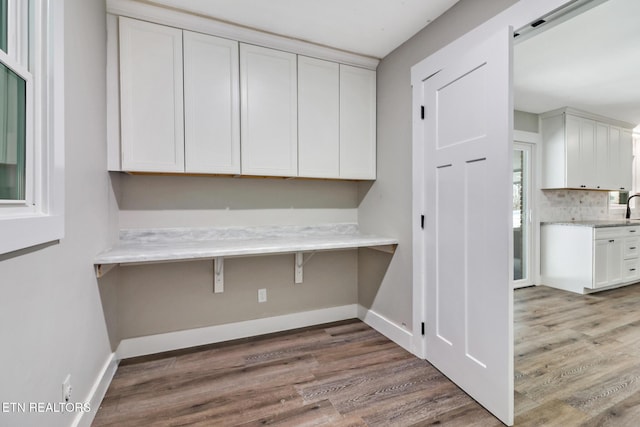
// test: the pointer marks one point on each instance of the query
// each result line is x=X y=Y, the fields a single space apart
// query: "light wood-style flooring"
x=577 y=362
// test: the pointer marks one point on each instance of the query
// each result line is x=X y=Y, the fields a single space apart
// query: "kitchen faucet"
x=628 y=208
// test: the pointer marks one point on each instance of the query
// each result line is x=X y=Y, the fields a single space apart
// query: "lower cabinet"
x=607 y=262
x=583 y=259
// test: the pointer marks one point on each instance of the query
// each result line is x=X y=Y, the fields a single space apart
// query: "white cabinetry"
x=336 y=119
x=211 y=104
x=152 y=129
x=607 y=262
x=318 y=118
x=584 y=259
x=187 y=102
x=179 y=100
x=584 y=151
x=357 y=123
x=269 y=116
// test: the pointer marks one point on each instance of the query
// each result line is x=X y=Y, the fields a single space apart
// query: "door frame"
x=517 y=16
x=534 y=140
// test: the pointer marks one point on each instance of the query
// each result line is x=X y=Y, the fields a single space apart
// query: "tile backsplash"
x=573 y=205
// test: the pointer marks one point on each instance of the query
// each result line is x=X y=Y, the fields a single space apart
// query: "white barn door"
x=467 y=205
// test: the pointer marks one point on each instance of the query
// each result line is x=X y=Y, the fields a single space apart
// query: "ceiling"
x=590 y=62
x=367 y=27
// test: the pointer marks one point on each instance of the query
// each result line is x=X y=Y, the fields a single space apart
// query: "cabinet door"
x=615 y=261
x=574 y=164
x=603 y=175
x=211 y=104
x=626 y=159
x=600 y=264
x=624 y=165
x=318 y=118
x=269 y=128
x=608 y=262
x=357 y=123
x=151 y=97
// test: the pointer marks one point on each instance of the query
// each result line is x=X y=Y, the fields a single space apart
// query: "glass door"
x=522 y=212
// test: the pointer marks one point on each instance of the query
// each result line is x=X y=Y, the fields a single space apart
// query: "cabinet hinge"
x=422 y=221
x=423 y=328
x=422 y=112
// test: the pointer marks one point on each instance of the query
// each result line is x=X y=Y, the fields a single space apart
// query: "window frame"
x=36 y=51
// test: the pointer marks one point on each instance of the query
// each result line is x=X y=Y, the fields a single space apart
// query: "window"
x=31 y=123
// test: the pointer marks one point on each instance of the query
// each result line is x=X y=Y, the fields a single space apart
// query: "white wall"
x=52 y=312
x=385 y=206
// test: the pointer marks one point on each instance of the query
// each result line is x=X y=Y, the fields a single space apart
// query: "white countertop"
x=600 y=223
x=181 y=244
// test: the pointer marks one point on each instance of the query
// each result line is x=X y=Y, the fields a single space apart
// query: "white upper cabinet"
x=318 y=118
x=152 y=131
x=585 y=151
x=186 y=102
x=211 y=104
x=357 y=123
x=620 y=158
x=269 y=111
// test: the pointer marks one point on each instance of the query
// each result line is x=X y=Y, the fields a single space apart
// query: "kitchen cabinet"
x=211 y=104
x=269 y=111
x=357 y=123
x=187 y=102
x=582 y=258
x=585 y=151
x=318 y=118
x=336 y=119
x=152 y=129
x=179 y=100
x=607 y=262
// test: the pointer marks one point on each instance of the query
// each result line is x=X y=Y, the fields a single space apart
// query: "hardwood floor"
x=577 y=362
x=343 y=374
x=577 y=357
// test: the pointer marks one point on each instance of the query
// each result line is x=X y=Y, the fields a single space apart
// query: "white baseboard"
x=97 y=392
x=140 y=346
x=386 y=327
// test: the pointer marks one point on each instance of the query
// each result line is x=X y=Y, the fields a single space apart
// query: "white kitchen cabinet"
x=357 y=123
x=584 y=151
x=620 y=158
x=151 y=92
x=269 y=116
x=608 y=262
x=318 y=118
x=180 y=101
x=583 y=259
x=211 y=104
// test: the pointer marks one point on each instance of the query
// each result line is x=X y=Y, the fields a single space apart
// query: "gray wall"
x=161 y=298
x=385 y=206
x=528 y=122
x=52 y=311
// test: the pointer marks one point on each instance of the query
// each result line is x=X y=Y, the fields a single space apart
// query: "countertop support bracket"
x=299 y=263
x=218 y=275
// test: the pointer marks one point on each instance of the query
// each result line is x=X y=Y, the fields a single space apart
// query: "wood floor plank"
x=553 y=413
x=577 y=362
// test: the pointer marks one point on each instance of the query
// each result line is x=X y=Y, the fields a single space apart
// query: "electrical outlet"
x=262 y=295
x=66 y=389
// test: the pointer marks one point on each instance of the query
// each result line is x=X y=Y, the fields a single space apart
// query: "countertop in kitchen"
x=601 y=223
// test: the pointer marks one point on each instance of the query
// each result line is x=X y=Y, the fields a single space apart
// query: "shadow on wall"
x=370 y=278
x=144 y=192
x=107 y=286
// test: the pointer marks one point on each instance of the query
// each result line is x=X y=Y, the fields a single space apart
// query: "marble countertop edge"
x=596 y=223
x=169 y=250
